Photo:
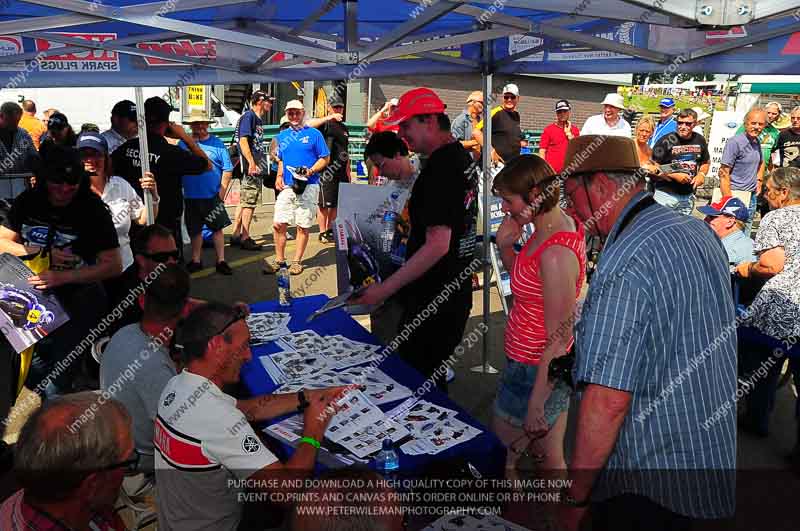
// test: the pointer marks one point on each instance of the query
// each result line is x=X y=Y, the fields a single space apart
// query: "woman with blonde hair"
x=546 y=278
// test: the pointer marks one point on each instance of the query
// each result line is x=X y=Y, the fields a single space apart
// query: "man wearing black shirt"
x=675 y=190
x=788 y=144
x=168 y=163
x=506 y=132
x=434 y=283
x=337 y=137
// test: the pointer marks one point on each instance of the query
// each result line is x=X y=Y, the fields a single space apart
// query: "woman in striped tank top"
x=546 y=279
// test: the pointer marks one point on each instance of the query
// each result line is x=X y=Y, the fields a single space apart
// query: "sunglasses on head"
x=130 y=465
x=163 y=256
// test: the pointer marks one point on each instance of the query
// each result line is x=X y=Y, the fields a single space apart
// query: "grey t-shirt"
x=743 y=155
x=135 y=369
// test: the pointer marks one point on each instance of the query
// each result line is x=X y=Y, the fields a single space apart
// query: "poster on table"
x=26 y=314
x=370 y=245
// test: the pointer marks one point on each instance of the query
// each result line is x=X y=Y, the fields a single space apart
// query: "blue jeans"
x=751 y=210
x=683 y=204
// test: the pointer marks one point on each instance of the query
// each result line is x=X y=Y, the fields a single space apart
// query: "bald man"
x=464 y=122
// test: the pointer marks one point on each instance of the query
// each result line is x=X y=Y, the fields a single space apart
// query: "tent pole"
x=144 y=152
x=486 y=79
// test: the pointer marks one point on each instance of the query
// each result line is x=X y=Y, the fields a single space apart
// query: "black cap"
x=260 y=95
x=562 y=105
x=336 y=100
x=156 y=110
x=62 y=163
x=125 y=109
x=57 y=121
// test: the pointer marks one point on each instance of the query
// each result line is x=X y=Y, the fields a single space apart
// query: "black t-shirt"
x=84 y=227
x=337 y=137
x=506 y=134
x=7 y=137
x=445 y=193
x=690 y=153
x=788 y=146
x=168 y=163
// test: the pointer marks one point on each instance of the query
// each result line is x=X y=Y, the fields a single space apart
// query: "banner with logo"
x=723 y=126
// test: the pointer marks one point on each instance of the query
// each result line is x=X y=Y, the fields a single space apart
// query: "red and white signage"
x=205 y=49
x=82 y=61
x=11 y=45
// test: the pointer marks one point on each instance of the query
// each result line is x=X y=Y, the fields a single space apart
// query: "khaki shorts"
x=300 y=211
x=250 y=191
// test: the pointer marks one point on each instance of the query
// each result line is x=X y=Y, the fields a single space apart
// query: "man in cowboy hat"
x=205 y=193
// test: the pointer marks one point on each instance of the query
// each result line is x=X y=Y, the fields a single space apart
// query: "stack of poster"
x=434 y=428
x=26 y=314
x=380 y=388
x=267 y=326
x=339 y=351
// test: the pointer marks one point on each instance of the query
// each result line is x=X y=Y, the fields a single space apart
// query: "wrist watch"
x=302 y=401
x=570 y=500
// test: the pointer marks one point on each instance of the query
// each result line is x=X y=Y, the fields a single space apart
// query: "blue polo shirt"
x=662 y=130
x=206 y=185
x=301 y=147
x=654 y=328
x=743 y=155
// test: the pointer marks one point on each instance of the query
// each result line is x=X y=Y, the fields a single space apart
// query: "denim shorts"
x=514 y=392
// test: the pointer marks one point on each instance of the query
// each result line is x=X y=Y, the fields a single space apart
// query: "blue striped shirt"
x=658 y=322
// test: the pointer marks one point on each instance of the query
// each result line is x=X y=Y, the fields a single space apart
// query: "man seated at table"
x=727 y=218
x=203 y=436
x=136 y=364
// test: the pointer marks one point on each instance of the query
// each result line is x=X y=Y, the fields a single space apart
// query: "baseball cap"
x=726 y=206
x=336 y=100
x=125 y=109
x=615 y=100
x=156 y=110
x=415 y=102
x=666 y=102
x=562 y=105
x=94 y=141
x=591 y=153
x=511 y=88
x=394 y=102
x=294 y=104
x=57 y=121
x=62 y=164
x=259 y=95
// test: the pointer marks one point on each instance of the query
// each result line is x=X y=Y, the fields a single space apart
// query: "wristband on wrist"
x=310 y=440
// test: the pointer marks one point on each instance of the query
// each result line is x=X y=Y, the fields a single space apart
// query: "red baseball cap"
x=415 y=102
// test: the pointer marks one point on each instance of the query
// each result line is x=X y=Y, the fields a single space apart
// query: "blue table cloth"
x=485 y=452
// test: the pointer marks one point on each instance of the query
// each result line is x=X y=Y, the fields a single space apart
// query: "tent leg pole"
x=485 y=367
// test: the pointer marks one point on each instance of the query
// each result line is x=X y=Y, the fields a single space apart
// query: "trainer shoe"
x=250 y=245
x=235 y=241
x=194 y=267
x=223 y=268
x=326 y=237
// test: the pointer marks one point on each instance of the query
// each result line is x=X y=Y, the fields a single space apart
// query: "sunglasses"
x=509 y=97
x=163 y=256
x=687 y=124
x=238 y=315
x=129 y=465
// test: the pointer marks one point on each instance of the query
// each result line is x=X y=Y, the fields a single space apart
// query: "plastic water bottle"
x=389 y=223
x=284 y=294
x=387 y=461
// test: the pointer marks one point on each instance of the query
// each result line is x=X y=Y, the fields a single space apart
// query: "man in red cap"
x=433 y=285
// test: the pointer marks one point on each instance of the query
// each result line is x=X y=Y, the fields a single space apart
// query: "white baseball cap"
x=511 y=88
x=394 y=102
x=615 y=100
x=294 y=104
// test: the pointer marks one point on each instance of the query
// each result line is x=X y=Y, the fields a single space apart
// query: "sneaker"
x=223 y=268
x=271 y=266
x=325 y=237
x=296 y=268
x=250 y=245
x=289 y=235
x=235 y=241
x=194 y=267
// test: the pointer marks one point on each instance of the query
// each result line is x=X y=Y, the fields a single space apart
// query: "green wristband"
x=310 y=440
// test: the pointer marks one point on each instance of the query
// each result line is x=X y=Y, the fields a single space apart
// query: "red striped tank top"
x=526 y=336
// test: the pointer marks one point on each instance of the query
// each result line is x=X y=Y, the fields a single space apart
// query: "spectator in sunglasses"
x=62 y=220
x=506 y=133
x=91 y=454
